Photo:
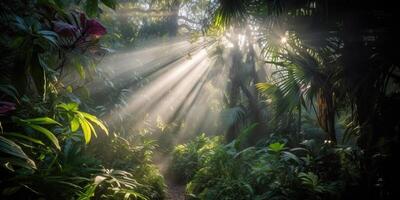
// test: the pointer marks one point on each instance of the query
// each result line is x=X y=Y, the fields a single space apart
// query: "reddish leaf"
x=94 y=27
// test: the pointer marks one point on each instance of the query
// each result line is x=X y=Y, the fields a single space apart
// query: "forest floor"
x=175 y=191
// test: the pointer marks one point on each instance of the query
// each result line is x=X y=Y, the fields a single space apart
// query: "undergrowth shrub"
x=189 y=158
x=134 y=156
x=271 y=171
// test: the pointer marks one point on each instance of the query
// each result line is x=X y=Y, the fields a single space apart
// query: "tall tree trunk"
x=172 y=19
x=234 y=90
x=326 y=113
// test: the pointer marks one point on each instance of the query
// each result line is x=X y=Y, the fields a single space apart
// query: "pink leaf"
x=94 y=27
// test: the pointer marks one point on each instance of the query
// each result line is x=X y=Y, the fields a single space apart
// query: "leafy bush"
x=190 y=157
x=46 y=123
x=115 y=152
x=48 y=158
x=272 y=171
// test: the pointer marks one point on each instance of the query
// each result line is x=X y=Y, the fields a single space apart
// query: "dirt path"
x=174 y=191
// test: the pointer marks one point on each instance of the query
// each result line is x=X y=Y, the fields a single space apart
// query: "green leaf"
x=276 y=147
x=290 y=156
x=110 y=3
x=92 y=129
x=85 y=128
x=91 y=7
x=69 y=106
x=80 y=70
x=19 y=135
x=263 y=86
x=9 y=147
x=42 y=120
x=244 y=135
x=47 y=133
x=309 y=179
x=10 y=162
x=95 y=120
x=74 y=124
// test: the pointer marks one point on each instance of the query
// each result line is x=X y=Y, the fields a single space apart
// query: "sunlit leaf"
x=276 y=147
x=95 y=120
x=87 y=133
x=69 y=107
x=74 y=124
x=263 y=86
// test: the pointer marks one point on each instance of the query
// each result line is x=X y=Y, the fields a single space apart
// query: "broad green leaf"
x=47 y=133
x=263 y=86
x=110 y=3
x=91 y=7
x=19 y=135
x=85 y=128
x=9 y=147
x=42 y=120
x=290 y=156
x=74 y=124
x=91 y=128
x=276 y=147
x=69 y=106
x=95 y=120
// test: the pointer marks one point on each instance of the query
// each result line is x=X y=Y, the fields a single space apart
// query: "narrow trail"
x=174 y=191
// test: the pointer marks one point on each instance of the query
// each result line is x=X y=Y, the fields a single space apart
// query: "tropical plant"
x=266 y=172
x=189 y=158
x=79 y=119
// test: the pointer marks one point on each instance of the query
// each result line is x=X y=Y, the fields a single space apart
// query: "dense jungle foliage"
x=225 y=99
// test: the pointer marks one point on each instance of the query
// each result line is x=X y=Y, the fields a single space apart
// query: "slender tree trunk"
x=299 y=122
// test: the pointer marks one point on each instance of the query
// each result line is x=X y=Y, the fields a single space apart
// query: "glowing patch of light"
x=283 y=40
x=227 y=43
x=242 y=40
x=147 y=97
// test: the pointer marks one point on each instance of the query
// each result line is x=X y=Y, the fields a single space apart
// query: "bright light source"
x=242 y=39
x=283 y=40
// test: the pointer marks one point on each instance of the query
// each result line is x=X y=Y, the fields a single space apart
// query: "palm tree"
x=343 y=57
